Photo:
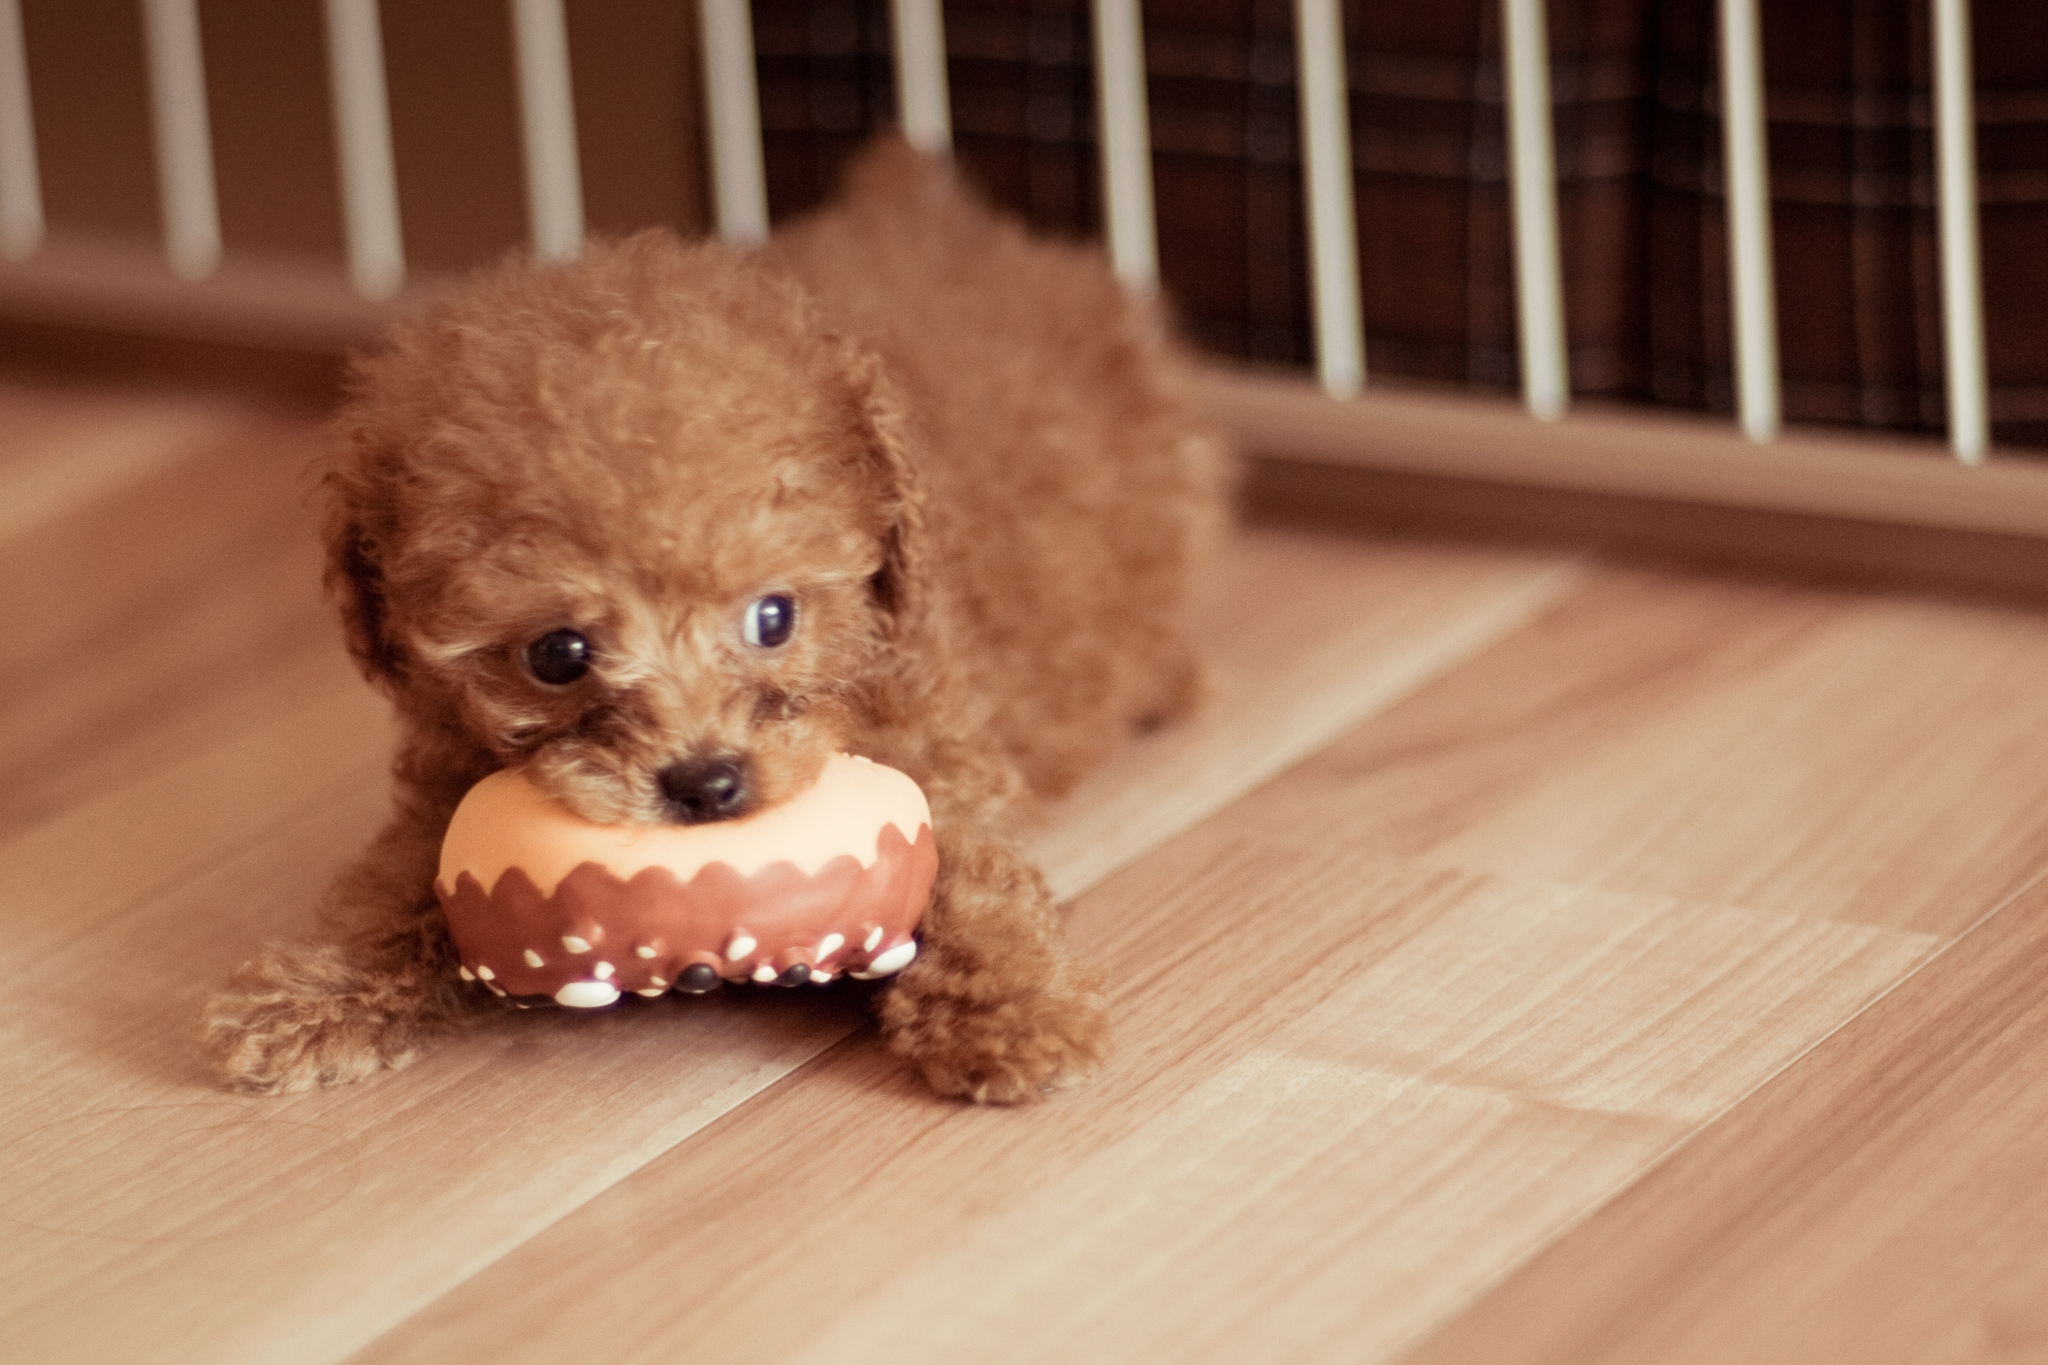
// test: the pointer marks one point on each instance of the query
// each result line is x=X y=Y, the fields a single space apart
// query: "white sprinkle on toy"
x=587 y=995
x=891 y=962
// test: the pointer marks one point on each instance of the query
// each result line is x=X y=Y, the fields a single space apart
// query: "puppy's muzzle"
x=701 y=790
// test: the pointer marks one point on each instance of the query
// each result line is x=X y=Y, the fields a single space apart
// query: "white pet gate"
x=1628 y=452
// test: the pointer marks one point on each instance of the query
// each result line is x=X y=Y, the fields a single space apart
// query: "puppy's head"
x=640 y=523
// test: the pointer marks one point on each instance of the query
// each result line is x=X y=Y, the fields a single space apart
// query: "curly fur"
x=970 y=457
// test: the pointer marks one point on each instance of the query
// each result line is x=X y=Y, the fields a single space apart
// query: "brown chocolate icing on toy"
x=650 y=912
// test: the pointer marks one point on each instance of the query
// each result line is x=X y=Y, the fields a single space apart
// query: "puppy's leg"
x=301 y=1015
x=994 y=1008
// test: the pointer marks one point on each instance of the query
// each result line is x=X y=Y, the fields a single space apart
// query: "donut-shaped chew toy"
x=548 y=908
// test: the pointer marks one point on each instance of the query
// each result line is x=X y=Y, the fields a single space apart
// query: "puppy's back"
x=1070 y=478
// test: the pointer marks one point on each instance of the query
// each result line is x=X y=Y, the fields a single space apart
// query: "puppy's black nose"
x=701 y=790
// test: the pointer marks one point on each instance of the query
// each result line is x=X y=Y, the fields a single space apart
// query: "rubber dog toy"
x=547 y=908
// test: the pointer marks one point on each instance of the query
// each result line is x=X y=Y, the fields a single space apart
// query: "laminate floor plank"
x=154 y=616
x=143 y=837
x=66 y=447
x=1878 y=1201
x=1874 y=757
x=1393 y=631
x=1298 y=647
x=151 y=1216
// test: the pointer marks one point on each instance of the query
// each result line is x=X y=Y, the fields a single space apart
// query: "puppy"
x=671 y=524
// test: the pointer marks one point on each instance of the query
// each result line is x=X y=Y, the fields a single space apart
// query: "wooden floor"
x=1527 y=957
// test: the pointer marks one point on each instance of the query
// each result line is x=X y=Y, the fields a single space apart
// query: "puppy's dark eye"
x=559 y=657
x=770 y=621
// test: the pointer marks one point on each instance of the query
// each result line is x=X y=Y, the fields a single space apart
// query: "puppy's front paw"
x=972 y=1038
x=304 y=1016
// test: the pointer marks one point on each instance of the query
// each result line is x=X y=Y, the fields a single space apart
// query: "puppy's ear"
x=902 y=586
x=356 y=583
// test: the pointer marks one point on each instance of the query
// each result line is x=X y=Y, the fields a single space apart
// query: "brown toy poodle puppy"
x=671 y=524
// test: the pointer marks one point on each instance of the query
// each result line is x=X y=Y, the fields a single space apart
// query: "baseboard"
x=1639 y=453
x=94 y=308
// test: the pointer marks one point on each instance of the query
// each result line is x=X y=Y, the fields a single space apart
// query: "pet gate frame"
x=1885 y=486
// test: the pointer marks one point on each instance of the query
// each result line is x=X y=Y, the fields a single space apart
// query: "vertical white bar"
x=1962 y=284
x=1126 y=142
x=922 y=104
x=184 y=141
x=1745 y=169
x=1332 y=225
x=1539 y=283
x=21 y=181
x=547 y=118
x=739 y=183
x=362 y=134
